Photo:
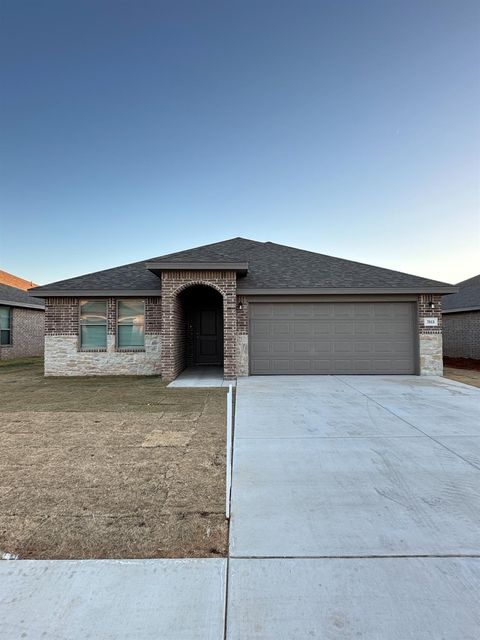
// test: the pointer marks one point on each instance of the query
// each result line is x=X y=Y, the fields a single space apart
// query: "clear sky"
x=134 y=128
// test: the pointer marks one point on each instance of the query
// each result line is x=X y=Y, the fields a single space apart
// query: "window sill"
x=86 y=350
x=130 y=350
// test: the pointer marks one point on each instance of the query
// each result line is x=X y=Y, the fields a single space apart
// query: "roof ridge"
x=465 y=282
x=205 y=246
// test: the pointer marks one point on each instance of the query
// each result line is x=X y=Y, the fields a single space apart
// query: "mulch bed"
x=462 y=363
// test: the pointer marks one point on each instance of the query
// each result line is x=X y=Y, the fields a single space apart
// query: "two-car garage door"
x=332 y=337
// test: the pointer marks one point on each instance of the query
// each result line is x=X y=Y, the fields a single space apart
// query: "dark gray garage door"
x=336 y=337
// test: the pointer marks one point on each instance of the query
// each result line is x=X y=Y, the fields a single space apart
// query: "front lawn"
x=117 y=467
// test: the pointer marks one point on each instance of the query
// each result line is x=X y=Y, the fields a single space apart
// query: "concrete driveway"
x=355 y=509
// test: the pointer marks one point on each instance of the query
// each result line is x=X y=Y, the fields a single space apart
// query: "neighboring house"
x=15 y=281
x=252 y=307
x=461 y=321
x=22 y=323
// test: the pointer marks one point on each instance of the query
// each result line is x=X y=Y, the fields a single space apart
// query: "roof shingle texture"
x=468 y=296
x=270 y=266
x=17 y=296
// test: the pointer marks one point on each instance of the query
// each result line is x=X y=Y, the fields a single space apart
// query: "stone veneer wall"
x=27 y=330
x=242 y=337
x=430 y=338
x=461 y=334
x=173 y=336
x=63 y=356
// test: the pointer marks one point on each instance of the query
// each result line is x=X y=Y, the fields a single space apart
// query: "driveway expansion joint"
x=411 y=425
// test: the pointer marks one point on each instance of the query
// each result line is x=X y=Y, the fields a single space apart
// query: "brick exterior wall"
x=64 y=357
x=111 y=316
x=461 y=335
x=424 y=311
x=153 y=316
x=430 y=338
x=166 y=333
x=27 y=334
x=173 y=334
x=61 y=317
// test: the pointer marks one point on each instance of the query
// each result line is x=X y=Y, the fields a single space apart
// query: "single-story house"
x=461 y=321
x=252 y=307
x=22 y=323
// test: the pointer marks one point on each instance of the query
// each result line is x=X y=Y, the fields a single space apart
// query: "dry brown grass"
x=110 y=467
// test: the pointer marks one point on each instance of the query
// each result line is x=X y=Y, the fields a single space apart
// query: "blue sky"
x=132 y=129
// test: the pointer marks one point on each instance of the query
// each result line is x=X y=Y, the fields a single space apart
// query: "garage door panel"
x=342 y=328
x=321 y=348
x=363 y=348
x=323 y=329
x=281 y=348
x=364 y=328
x=327 y=338
x=323 y=310
x=303 y=348
x=303 y=329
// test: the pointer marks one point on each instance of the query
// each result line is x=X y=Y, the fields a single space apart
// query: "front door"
x=208 y=337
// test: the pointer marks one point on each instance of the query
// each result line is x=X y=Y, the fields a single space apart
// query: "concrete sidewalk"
x=201 y=377
x=112 y=599
x=355 y=509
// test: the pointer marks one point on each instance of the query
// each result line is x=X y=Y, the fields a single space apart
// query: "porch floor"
x=202 y=376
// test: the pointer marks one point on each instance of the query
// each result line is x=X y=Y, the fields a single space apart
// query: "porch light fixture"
x=240 y=306
x=431 y=304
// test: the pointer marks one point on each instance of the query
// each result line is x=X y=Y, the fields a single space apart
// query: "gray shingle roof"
x=17 y=297
x=270 y=267
x=468 y=296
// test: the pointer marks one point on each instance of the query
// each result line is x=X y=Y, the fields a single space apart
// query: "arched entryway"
x=202 y=313
x=198 y=323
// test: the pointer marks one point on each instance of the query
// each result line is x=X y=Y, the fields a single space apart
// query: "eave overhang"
x=23 y=305
x=346 y=290
x=157 y=267
x=44 y=292
x=461 y=309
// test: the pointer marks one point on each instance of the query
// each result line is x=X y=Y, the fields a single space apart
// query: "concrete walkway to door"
x=355 y=509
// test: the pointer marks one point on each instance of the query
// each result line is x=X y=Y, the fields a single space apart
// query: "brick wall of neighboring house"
x=430 y=338
x=174 y=331
x=27 y=330
x=461 y=334
x=63 y=355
